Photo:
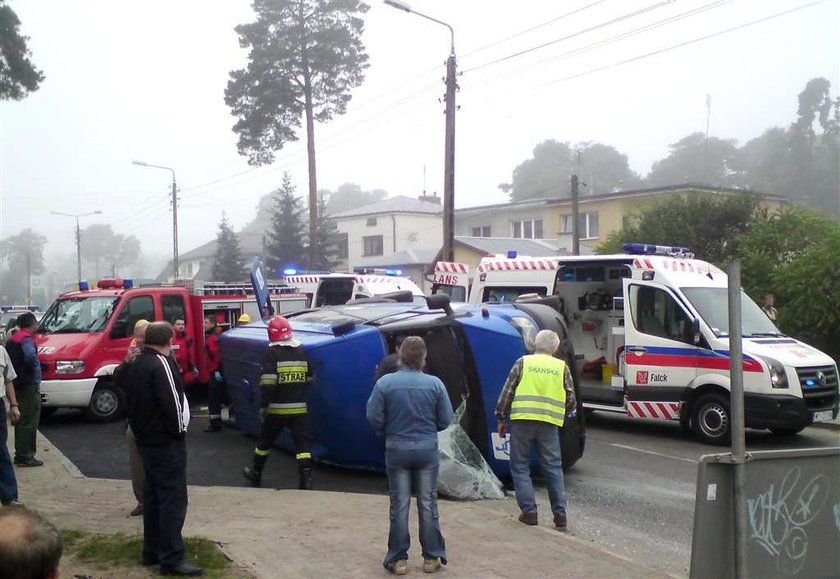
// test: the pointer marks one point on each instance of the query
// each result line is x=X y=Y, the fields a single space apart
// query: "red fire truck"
x=85 y=334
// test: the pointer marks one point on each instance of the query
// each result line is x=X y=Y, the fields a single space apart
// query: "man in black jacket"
x=158 y=415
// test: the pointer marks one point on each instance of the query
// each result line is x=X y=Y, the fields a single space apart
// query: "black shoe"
x=305 y=481
x=149 y=562
x=183 y=568
x=214 y=426
x=28 y=462
x=253 y=476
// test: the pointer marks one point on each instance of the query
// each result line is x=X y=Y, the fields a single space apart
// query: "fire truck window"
x=658 y=314
x=140 y=307
x=173 y=307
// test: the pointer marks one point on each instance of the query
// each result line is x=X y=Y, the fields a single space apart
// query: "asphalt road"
x=632 y=493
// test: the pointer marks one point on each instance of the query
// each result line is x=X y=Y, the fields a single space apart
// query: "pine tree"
x=283 y=243
x=325 y=250
x=228 y=263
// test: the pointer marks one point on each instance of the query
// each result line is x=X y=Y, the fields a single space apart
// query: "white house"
x=386 y=227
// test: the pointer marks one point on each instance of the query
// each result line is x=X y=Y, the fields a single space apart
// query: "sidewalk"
x=292 y=533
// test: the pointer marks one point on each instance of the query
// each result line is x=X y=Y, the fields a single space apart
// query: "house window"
x=527 y=229
x=342 y=248
x=371 y=221
x=483 y=231
x=372 y=245
x=587 y=223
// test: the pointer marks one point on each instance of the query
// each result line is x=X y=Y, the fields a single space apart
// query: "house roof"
x=494 y=245
x=630 y=193
x=398 y=204
x=404 y=257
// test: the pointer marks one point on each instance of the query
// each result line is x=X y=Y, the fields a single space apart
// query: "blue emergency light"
x=128 y=283
x=290 y=271
x=511 y=254
x=649 y=249
x=84 y=286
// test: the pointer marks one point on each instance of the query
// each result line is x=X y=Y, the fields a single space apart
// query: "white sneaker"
x=431 y=565
x=398 y=567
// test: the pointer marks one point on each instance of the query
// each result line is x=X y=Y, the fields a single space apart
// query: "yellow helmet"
x=244 y=319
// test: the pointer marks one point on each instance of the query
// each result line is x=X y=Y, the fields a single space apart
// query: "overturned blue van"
x=470 y=348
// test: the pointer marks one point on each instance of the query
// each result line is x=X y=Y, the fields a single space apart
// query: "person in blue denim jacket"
x=410 y=408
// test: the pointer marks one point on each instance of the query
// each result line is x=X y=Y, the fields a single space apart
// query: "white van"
x=451 y=278
x=653 y=333
x=332 y=289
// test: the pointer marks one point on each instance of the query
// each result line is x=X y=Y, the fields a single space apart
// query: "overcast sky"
x=145 y=80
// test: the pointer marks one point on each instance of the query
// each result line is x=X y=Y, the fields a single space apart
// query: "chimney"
x=430 y=198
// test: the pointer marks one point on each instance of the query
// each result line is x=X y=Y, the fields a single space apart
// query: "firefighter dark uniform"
x=284 y=376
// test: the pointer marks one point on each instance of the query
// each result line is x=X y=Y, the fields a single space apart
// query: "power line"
x=574 y=34
x=601 y=43
x=537 y=27
x=686 y=43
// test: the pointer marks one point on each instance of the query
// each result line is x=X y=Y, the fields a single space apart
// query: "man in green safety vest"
x=535 y=397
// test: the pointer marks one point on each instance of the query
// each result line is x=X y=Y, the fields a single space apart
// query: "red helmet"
x=279 y=329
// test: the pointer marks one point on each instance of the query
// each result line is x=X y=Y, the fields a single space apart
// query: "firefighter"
x=243 y=319
x=215 y=389
x=284 y=376
x=182 y=349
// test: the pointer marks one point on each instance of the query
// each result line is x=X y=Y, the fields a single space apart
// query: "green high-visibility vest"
x=541 y=394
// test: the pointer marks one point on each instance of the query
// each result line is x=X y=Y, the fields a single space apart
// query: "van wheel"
x=107 y=403
x=711 y=420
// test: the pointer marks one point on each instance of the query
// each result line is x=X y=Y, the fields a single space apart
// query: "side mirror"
x=695 y=334
x=343 y=327
x=439 y=302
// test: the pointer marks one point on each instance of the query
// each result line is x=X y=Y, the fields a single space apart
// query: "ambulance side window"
x=655 y=312
x=140 y=307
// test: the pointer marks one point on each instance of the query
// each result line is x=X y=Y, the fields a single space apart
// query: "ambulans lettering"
x=445 y=279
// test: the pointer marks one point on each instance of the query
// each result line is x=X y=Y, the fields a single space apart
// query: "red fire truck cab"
x=85 y=334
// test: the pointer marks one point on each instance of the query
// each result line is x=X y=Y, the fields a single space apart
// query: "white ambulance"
x=451 y=278
x=332 y=289
x=650 y=328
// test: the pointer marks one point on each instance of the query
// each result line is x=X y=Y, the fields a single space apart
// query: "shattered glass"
x=464 y=474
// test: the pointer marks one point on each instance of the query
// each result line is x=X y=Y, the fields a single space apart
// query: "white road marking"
x=625 y=447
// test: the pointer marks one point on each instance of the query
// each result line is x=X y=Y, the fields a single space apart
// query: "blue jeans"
x=523 y=435
x=8 y=483
x=416 y=468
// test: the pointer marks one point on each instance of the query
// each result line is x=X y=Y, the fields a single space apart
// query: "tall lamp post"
x=78 y=239
x=449 y=137
x=174 y=214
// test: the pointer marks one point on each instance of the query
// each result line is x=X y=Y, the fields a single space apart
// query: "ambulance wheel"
x=107 y=403
x=711 y=420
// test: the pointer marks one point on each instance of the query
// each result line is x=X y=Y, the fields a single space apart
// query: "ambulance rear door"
x=659 y=359
x=452 y=279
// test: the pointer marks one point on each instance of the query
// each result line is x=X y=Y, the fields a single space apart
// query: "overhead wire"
x=682 y=44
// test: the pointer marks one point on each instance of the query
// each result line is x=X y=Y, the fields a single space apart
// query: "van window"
x=656 y=312
x=173 y=307
x=510 y=293
x=456 y=293
x=335 y=292
x=140 y=307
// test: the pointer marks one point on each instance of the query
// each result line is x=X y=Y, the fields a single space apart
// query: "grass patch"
x=114 y=550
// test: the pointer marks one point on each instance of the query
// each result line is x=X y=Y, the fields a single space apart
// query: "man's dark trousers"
x=164 y=501
x=26 y=430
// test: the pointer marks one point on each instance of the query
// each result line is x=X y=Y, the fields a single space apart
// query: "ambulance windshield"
x=78 y=315
x=711 y=304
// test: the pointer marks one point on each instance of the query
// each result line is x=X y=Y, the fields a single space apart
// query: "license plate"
x=822 y=416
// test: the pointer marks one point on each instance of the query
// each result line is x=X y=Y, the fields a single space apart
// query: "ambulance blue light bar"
x=648 y=249
x=31 y=308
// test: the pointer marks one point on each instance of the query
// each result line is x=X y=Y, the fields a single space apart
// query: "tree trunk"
x=310 y=150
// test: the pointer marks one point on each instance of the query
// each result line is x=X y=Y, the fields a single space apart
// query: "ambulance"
x=334 y=289
x=651 y=335
x=451 y=278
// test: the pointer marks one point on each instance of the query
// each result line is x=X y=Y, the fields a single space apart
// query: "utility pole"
x=449 y=162
x=79 y=241
x=575 y=216
x=706 y=141
x=175 y=267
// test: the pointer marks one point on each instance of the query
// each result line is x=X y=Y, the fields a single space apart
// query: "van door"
x=659 y=358
x=137 y=307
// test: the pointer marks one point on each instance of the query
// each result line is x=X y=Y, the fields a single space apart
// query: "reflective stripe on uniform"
x=259 y=452
x=286 y=411
x=303 y=455
x=540 y=394
x=293 y=364
x=268 y=379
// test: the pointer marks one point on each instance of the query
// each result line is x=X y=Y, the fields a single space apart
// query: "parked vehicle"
x=85 y=334
x=11 y=313
x=334 y=289
x=651 y=331
x=471 y=349
x=453 y=279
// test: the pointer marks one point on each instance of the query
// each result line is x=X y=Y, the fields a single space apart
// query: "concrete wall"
x=398 y=231
x=501 y=221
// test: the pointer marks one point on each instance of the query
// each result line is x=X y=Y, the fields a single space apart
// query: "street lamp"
x=174 y=214
x=449 y=137
x=78 y=239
